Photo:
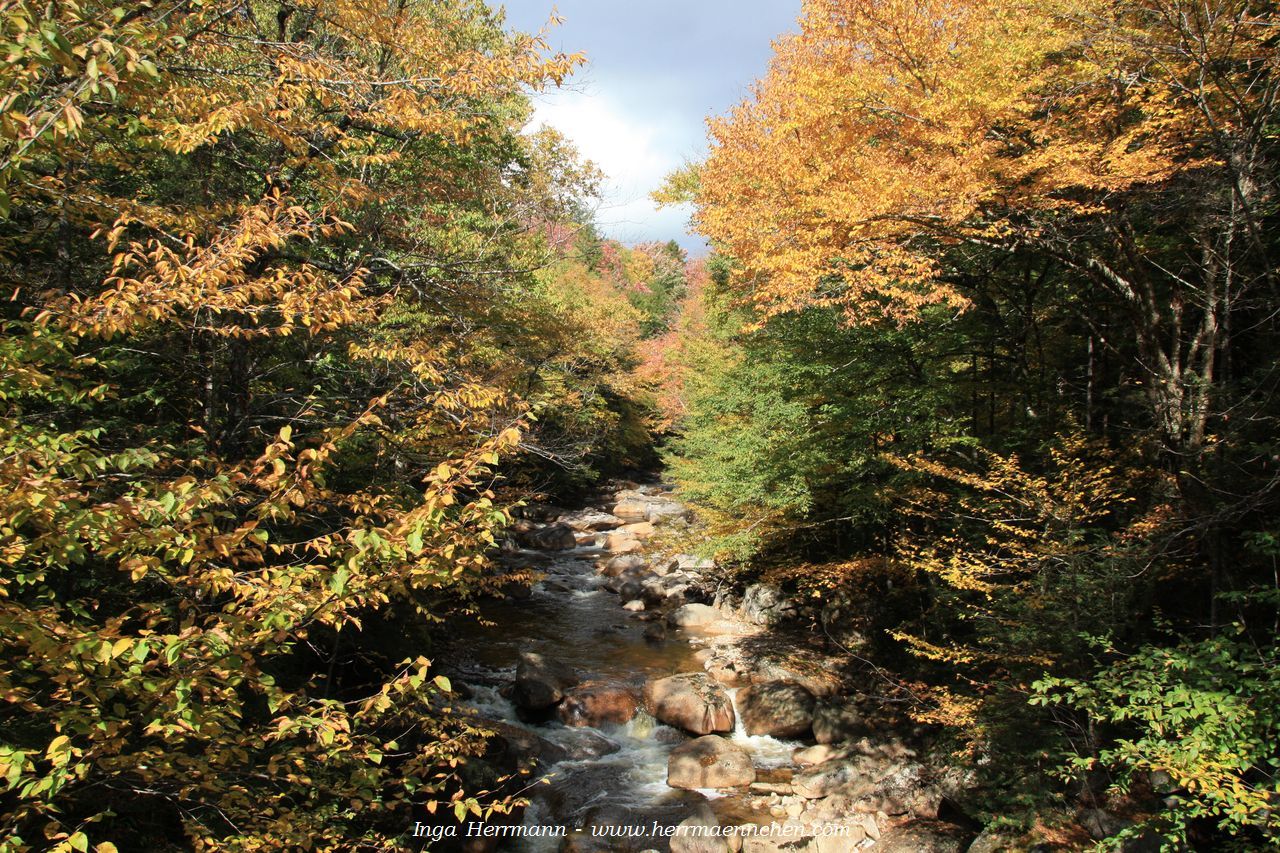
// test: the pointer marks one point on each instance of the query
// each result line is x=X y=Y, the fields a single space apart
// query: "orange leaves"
x=887 y=132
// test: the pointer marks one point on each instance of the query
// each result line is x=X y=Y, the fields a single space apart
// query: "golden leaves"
x=887 y=131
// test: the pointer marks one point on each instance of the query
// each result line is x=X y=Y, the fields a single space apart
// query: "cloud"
x=634 y=150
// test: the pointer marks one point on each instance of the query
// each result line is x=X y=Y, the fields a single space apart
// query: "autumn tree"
x=248 y=430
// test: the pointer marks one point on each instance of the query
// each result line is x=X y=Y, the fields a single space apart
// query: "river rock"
x=621 y=564
x=641 y=529
x=822 y=780
x=776 y=708
x=622 y=543
x=923 y=837
x=709 y=762
x=512 y=748
x=697 y=833
x=553 y=537
x=661 y=511
x=693 y=616
x=597 y=703
x=635 y=605
x=836 y=722
x=580 y=744
x=691 y=701
x=591 y=520
x=811 y=756
x=764 y=604
x=540 y=684
x=632 y=509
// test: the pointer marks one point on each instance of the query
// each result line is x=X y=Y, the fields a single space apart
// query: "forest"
x=302 y=315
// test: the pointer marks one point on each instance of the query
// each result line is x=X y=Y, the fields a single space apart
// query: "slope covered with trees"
x=991 y=347
x=287 y=288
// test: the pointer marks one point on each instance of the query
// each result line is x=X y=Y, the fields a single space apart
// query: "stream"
x=614 y=774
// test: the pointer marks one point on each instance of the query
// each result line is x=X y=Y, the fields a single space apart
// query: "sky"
x=656 y=70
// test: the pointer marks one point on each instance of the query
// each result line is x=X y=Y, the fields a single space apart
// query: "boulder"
x=856 y=774
x=698 y=833
x=811 y=756
x=693 y=616
x=764 y=604
x=692 y=702
x=540 y=684
x=836 y=722
x=632 y=509
x=597 y=703
x=843 y=620
x=591 y=520
x=659 y=511
x=553 y=537
x=709 y=762
x=511 y=748
x=923 y=837
x=776 y=708
x=635 y=605
x=640 y=529
x=622 y=543
x=581 y=744
x=621 y=564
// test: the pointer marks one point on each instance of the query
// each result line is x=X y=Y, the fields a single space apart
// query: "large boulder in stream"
x=776 y=708
x=597 y=704
x=709 y=762
x=553 y=537
x=621 y=564
x=692 y=702
x=540 y=684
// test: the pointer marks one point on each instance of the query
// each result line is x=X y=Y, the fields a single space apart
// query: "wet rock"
x=619 y=828
x=836 y=722
x=709 y=762
x=693 y=616
x=691 y=701
x=513 y=748
x=655 y=633
x=597 y=704
x=618 y=565
x=540 y=684
x=580 y=744
x=776 y=708
x=923 y=837
x=553 y=537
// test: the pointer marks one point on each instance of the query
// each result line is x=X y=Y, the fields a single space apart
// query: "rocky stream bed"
x=661 y=707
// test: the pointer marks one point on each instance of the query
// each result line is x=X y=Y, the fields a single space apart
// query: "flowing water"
x=571 y=619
